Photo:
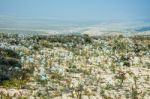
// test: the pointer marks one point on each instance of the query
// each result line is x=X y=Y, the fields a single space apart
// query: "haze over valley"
x=22 y=25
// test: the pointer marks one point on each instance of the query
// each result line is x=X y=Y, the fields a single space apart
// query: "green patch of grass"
x=13 y=83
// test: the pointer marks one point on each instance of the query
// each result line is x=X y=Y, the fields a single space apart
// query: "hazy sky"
x=77 y=9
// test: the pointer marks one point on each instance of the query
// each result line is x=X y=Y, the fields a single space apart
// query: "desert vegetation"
x=74 y=67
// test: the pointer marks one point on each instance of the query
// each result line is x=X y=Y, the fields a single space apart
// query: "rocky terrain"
x=74 y=67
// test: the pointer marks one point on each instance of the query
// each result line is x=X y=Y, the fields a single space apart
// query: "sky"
x=77 y=9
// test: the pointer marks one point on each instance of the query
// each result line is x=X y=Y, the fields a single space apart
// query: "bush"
x=9 y=64
x=9 y=53
x=87 y=39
